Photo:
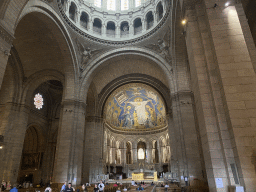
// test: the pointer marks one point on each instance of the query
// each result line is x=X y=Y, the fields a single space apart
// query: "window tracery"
x=38 y=101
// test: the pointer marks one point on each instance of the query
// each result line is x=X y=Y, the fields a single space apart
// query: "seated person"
x=125 y=189
x=118 y=190
x=115 y=185
x=152 y=183
x=140 y=188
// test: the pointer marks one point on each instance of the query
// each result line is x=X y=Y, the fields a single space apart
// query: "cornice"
x=136 y=132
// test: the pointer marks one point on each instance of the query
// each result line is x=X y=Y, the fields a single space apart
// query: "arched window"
x=141 y=147
x=97 y=3
x=137 y=3
x=150 y=20
x=141 y=154
x=84 y=20
x=137 y=26
x=124 y=29
x=72 y=11
x=111 y=29
x=124 y=5
x=111 y=5
x=159 y=11
x=97 y=26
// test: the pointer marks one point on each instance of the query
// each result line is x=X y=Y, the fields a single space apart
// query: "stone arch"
x=37 y=79
x=13 y=79
x=110 y=87
x=92 y=67
x=52 y=19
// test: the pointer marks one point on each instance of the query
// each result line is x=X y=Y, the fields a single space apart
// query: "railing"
x=137 y=30
x=150 y=24
x=110 y=33
x=97 y=30
x=124 y=33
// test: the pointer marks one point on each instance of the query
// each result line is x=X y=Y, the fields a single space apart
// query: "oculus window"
x=38 y=101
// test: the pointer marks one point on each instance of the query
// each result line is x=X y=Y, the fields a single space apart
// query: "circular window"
x=38 y=101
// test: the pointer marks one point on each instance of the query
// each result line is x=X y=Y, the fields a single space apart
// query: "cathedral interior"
x=92 y=89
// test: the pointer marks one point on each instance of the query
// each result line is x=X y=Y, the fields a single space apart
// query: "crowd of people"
x=68 y=187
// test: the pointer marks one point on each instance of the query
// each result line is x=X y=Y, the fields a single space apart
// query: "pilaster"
x=6 y=39
x=69 y=155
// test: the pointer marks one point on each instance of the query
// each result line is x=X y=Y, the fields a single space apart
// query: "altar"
x=142 y=176
x=137 y=176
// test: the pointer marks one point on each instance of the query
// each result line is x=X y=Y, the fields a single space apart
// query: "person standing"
x=101 y=186
x=69 y=188
x=63 y=187
x=48 y=189
x=96 y=189
x=14 y=189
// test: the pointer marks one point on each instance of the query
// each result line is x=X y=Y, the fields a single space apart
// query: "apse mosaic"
x=135 y=106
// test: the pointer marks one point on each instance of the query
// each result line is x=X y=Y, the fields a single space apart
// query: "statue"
x=86 y=53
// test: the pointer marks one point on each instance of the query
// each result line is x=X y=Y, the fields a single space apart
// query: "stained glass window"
x=97 y=3
x=38 y=101
x=141 y=154
x=124 y=5
x=111 y=5
x=137 y=3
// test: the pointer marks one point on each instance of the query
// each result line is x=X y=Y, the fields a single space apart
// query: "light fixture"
x=184 y=21
x=1 y=147
x=227 y=4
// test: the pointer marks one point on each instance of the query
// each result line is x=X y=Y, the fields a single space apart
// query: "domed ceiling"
x=135 y=106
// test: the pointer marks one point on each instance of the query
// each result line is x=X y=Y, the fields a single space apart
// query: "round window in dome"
x=135 y=106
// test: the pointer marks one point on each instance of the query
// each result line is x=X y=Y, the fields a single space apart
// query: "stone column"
x=123 y=157
x=131 y=30
x=103 y=30
x=13 y=128
x=77 y=18
x=134 y=154
x=222 y=73
x=155 y=18
x=69 y=151
x=117 y=31
x=67 y=7
x=6 y=39
x=144 y=28
x=94 y=148
x=238 y=81
x=90 y=25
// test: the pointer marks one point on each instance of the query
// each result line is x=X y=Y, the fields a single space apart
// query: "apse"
x=135 y=106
